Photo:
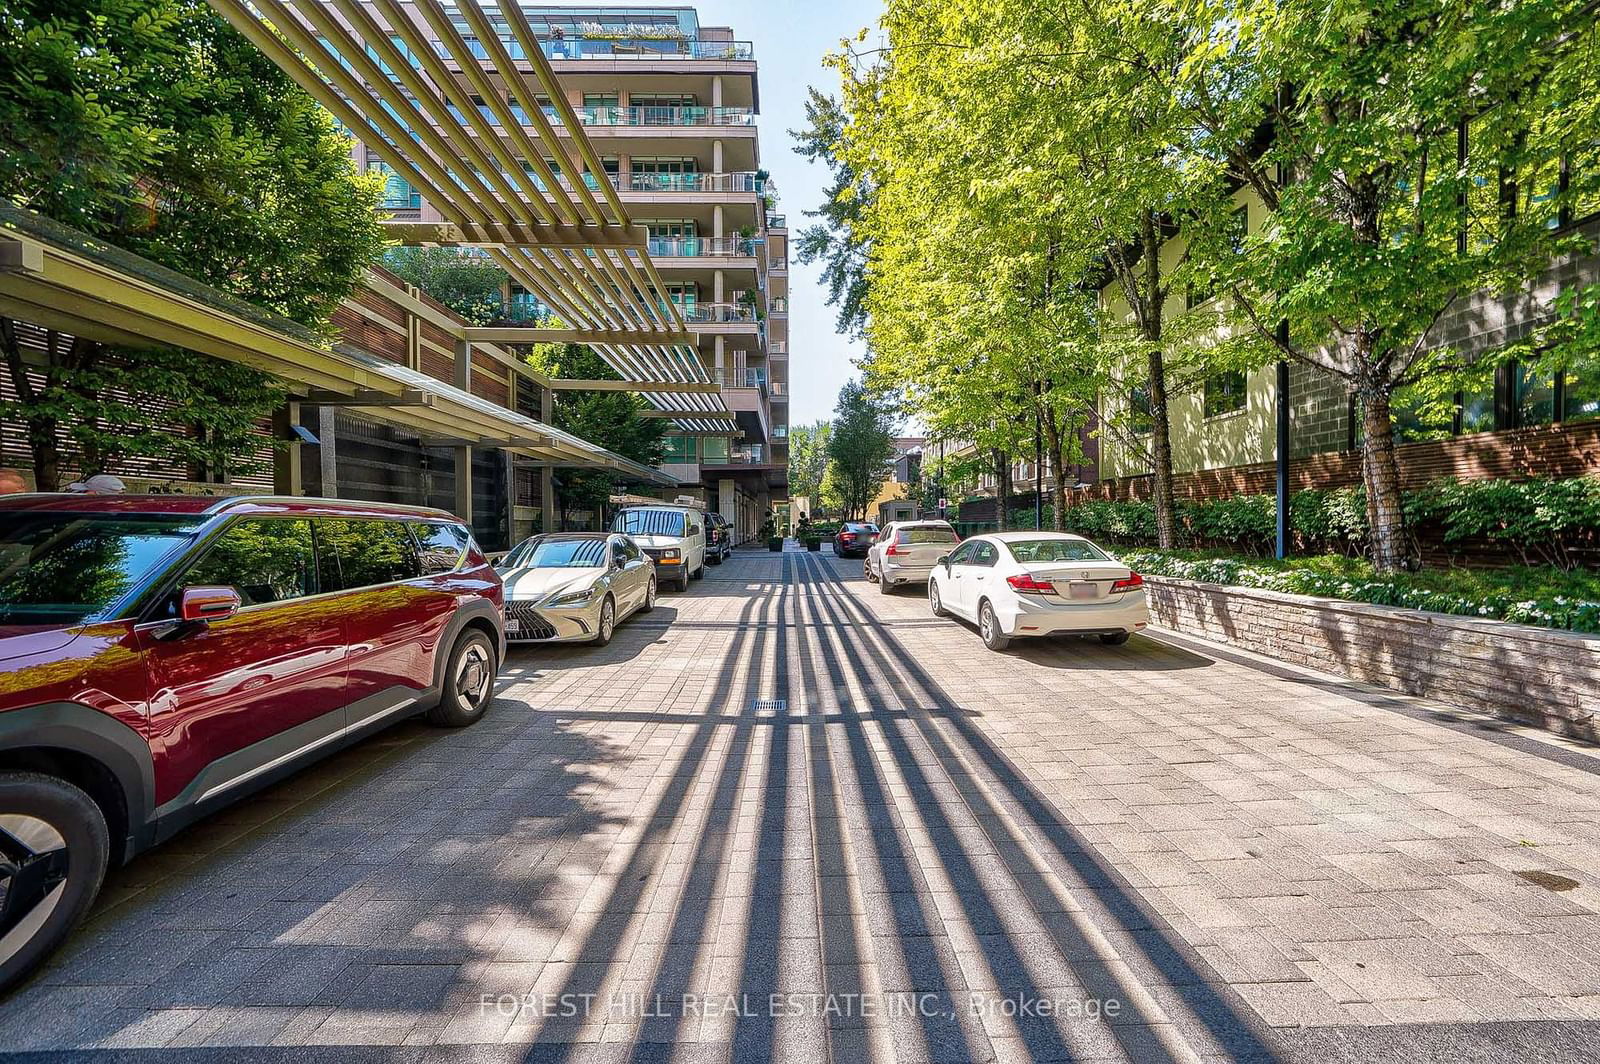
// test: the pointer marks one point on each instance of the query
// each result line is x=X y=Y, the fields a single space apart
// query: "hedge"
x=1490 y=594
x=1535 y=520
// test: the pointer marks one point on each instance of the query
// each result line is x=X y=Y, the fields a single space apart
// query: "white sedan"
x=574 y=587
x=1013 y=584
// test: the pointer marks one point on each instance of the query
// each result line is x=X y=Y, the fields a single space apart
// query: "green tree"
x=838 y=240
x=471 y=285
x=860 y=448
x=609 y=419
x=1379 y=223
x=152 y=125
x=808 y=459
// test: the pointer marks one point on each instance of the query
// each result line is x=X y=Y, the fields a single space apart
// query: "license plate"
x=513 y=626
x=1080 y=589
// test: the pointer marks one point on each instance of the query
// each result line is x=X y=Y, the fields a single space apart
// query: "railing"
x=628 y=48
x=778 y=390
x=778 y=348
x=666 y=116
x=777 y=221
x=754 y=378
x=780 y=432
x=730 y=182
x=779 y=304
x=521 y=310
x=698 y=246
x=714 y=313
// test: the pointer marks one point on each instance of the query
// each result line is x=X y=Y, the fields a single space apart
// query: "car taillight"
x=847 y=536
x=1133 y=581
x=895 y=550
x=1027 y=585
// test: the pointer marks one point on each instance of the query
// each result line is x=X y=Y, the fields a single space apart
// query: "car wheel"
x=608 y=622
x=989 y=628
x=700 y=572
x=649 y=597
x=683 y=581
x=884 y=587
x=1114 y=639
x=934 y=602
x=468 y=682
x=54 y=846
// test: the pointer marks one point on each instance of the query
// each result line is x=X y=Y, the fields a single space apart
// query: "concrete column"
x=728 y=506
x=549 y=511
x=716 y=156
x=717 y=228
x=719 y=343
x=717 y=291
x=286 y=470
x=464 y=483
x=463 y=366
x=716 y=91
x=328 y=459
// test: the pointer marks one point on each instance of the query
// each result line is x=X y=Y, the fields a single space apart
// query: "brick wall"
x=1535 y=675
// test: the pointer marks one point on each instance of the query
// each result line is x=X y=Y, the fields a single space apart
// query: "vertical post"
x=286 y=478
x=938 y=484
x=548 y=510
x=328 y=453
x=1038 y=465
x=464 y=483
x=510 y=486
x=1283 y=446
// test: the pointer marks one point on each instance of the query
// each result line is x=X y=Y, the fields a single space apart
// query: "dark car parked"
x=164 y=655
x=854 y=539
x=719 y=538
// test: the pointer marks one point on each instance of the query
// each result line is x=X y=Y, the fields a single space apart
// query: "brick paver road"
x=787 y=816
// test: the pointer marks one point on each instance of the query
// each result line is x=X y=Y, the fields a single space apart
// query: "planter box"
x=813 y=544
x=775 y=544
x=1539 y=676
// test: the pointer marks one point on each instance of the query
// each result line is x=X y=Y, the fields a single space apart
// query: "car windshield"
x=649 y=523
x=924 y=535
x=65 y=568
x=1055 y=550
x=559 y=554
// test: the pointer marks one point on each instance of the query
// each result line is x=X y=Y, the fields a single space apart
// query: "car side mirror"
x=202 y=604
x=944 y=560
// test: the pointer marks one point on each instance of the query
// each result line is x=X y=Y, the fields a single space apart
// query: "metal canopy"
x=83 y=287
x=400 y=75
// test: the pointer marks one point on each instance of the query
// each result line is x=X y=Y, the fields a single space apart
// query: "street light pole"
x=1038 y=465
x=1283 y=445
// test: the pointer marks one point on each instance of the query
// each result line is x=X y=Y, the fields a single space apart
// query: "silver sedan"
x=574 y=587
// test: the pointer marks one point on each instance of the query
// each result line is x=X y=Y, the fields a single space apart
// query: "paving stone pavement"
x=788 y=817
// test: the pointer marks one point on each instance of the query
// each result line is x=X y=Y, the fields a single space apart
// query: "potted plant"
x=769 y=532
x=813 y=543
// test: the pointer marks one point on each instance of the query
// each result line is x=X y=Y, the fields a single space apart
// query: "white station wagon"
x=1016 y=584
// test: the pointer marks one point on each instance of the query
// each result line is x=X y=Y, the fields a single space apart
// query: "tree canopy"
x=860 y=448
x=153 y=125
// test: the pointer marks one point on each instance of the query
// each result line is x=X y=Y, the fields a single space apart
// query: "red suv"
x=163 y=655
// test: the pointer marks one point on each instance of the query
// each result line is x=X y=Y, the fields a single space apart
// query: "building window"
x=1535 y=397
x=1417 y=418
x=714 y=450
x=1477 y=405
x=1238 y=229
x=1225 y=393
x=1580 y=399
x=678 y=449
x=1139 y=419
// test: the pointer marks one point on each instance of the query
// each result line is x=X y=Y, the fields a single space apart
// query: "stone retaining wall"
x=1536 y=675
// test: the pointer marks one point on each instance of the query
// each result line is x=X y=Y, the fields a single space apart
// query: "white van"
x=673 y=536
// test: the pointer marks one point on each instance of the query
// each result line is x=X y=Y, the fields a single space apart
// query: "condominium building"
x=670 y=107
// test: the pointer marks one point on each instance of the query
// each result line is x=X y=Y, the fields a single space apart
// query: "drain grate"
x=770 y=705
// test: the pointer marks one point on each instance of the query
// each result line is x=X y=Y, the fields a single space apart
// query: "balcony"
x=779 y=305
x=777 y=221
x=739 y=181
x=694 y=247
x=747 y=454
x=778 y=349
x=717 y=313
x=666 y=116
x=780 y=433
x=610 y=49
x=779 y=390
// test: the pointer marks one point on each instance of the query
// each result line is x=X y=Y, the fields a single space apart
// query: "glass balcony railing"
x=777 y=221
x=609 y=48
x=699 y=246
x=780 y=305
x=666 y=116
x=778 y=390
x=780 y=432
x=716 y=313
x=697 y=182
x=778 y=348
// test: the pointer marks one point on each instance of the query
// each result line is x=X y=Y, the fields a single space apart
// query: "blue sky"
x=790 y=38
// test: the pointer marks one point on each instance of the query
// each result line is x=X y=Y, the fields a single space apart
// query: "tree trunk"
x=1002 y=490
x=1161 y=453
x=1380 y=472
x=1058 y=465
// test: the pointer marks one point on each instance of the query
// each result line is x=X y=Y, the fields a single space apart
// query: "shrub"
x=1535 y=596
